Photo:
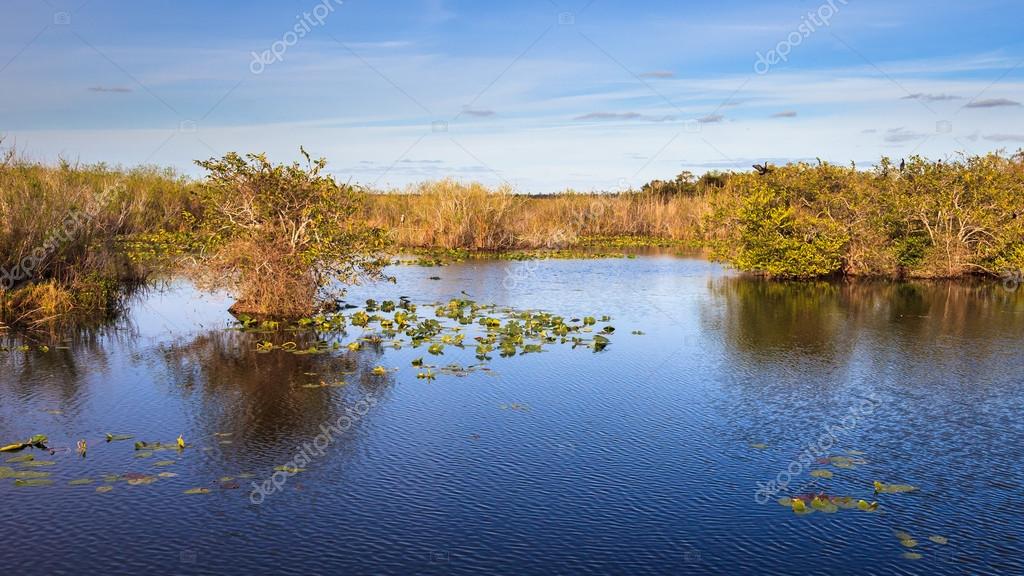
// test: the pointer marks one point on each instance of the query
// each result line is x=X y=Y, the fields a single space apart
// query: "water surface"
x=644 y=458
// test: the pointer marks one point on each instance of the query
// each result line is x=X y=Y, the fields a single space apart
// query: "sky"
x=538 y=95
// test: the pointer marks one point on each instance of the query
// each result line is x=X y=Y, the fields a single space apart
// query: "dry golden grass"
x=449 y=214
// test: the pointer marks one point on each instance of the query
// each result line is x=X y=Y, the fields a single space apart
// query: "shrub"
x=282 y=238
x=777 y=240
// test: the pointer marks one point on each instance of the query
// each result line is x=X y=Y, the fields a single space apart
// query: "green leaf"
x=33 y=483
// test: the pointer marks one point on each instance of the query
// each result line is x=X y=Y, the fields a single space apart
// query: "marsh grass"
x=60 y=232
x=453 y=215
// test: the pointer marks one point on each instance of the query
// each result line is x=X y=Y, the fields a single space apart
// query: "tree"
x=283 y=239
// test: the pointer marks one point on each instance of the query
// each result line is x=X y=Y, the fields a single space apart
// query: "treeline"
x=73 y=237
x=920 y=219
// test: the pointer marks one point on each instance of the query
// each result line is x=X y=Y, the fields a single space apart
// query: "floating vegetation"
x=164 y=463
x=439 y=327
x=912 y=556
x=22 y=458
x=37 y=463
x=167 y=475
x=33 y=483
x=194 y=491
x=289 y=469
x=758 y=446
x=808 y=503
x=104 y=489
x=156 y=446
x=118 y=437
x=516 y=407
x=81 y=482
x=141 y=480
x=882 y=488
x=941 y=540
x=37 y=441
x=821 y=473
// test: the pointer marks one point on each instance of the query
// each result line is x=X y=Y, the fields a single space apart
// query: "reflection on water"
x=639 y=459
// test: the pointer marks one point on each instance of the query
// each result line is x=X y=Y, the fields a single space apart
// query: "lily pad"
x=33 y=483
x=288 y=469
x=163 y=463
x=104 y=489
x=167 y=475
x=192 y=491
x=28 y=475
x=758 y=446
x=909 y=542
x=144 y=454
x=37 y=463
x=883 y=488
x=22 y=458
x=118 y=437
x=939 y=539
x=81 y=482
x=144 y=481
x=912 y=556
x=821 y=473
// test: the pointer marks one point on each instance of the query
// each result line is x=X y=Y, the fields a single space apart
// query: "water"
x=644 y=458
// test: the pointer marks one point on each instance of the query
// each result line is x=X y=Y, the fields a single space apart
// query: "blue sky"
x=540 y=95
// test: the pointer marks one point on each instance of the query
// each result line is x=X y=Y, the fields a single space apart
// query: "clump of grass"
x=60 y=232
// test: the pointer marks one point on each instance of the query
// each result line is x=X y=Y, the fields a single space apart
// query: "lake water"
x=652 y=456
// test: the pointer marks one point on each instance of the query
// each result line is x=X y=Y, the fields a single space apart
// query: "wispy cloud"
x=992 y=103
x=622 y=116
x=1005 y=137
x=711 y=119
x=785 y=114
x=658 y=74
x=118 y=89
x=478 y=112
x=931 y=97
x=900 y=135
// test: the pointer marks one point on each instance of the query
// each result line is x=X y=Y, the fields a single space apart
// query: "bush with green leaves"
x=285 y=240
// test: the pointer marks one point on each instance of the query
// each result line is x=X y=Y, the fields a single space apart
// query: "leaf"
x=758 y=446
x=939 y=539
x=909 y=542
x=912 y=556
x=81 y=482
x=33 y=483
x=29 y=475
x=288 y=469
x=37 y=463
x=163 y=463
x=167 y=475
x=144 y=454
x=883 y=488
x=22 y=458
x=144 y=481
x=193 y=491
x=117 y=437
x=104 y=489
x=821 y=473
x=902 y=535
